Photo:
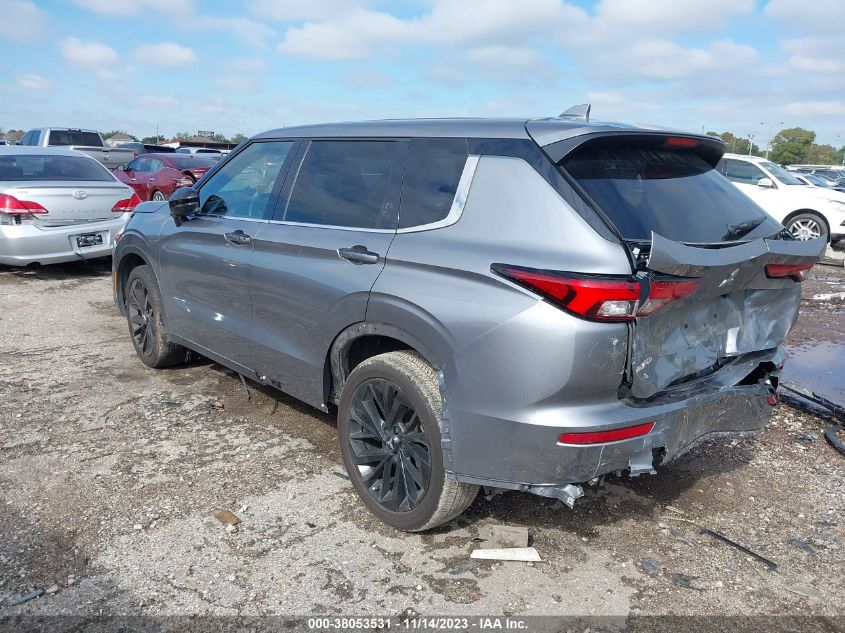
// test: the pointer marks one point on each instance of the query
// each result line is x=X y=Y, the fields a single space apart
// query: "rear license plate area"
x=89 y=239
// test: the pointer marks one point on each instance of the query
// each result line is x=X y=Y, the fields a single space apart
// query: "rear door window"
x=432 y=173
x=675 y=193
x=345 y=183
x=741 y=171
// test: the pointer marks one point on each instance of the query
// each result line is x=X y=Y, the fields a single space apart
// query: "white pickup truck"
x=87 y=141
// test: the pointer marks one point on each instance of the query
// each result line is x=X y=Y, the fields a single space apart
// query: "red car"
x=156 y=176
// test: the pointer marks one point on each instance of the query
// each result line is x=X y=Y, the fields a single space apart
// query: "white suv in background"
x=807 y=212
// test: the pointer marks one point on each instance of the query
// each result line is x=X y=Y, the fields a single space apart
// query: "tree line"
x=790 y=146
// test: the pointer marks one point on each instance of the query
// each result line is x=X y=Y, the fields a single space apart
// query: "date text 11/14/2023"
x=417 y=623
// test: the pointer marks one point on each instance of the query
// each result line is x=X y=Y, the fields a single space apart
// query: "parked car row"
x=807 y=211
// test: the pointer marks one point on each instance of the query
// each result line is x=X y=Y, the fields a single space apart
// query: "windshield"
x=44 y=168
x=784 y=176
x=819 y=182
x=675 y=193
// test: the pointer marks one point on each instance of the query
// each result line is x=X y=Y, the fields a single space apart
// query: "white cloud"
x=135 y=7
x=811 y=16
x=807 y=109
x=361 y=33
x=166 y=54
x=87 y=54
x=816 y=54
x=667 y=18
x=22 y=20
x=368 y=79
x=235 y=83
x=34 y=82
x=296 y=10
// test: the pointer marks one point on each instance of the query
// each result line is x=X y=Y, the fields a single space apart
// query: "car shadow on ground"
x=616 y=499
x=88 y=268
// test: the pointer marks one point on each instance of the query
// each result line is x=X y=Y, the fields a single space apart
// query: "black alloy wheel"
x=389 y=445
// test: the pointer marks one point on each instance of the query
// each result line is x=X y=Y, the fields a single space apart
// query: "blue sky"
x=250 y=65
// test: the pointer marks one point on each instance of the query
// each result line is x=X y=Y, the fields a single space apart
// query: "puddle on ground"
x=819 y=367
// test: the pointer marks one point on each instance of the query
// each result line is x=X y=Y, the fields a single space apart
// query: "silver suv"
x=524 y=305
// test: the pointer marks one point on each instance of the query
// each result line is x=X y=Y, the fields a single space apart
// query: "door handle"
x=358 y=254
x=238 y=238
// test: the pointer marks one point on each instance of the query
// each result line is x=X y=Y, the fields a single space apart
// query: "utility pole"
x=750 y=143
x=769 y=139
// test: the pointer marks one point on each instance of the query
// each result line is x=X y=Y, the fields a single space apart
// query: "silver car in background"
x=58 y=205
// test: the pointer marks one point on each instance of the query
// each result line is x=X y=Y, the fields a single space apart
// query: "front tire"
x=158 y=196
x=807 y=226
x=144 y=316
x=389 y=427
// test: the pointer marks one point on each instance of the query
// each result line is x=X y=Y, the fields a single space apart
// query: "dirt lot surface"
x=112 y=474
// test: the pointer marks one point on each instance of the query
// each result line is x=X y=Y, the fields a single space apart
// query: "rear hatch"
x=718 y=278
x=71 y=189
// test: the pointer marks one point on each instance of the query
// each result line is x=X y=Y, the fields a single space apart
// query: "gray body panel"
x=516 y=371
x=303 y=295
x=205 y=285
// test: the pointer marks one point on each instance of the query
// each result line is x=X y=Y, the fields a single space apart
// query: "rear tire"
x=807 y=226
x=144 y=316
x=389 y=427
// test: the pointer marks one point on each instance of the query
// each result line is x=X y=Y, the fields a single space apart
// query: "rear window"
x=44 y=168
x=75 y=137
x=675 y=193
x=190 y=162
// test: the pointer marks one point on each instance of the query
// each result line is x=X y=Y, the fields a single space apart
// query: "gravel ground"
x=112 y=474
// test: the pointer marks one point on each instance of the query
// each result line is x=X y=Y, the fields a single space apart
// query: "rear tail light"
x=600 y=437
x=9 y=205
x=125 y=206
x=595 y=297
x=794 y=271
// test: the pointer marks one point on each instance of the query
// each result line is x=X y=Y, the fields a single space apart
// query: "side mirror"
x=184 y=202
x=766 y=182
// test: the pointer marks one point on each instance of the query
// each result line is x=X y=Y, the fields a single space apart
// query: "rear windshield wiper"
x=735 y=231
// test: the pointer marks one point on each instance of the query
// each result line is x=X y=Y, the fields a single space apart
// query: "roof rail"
x=581 y=111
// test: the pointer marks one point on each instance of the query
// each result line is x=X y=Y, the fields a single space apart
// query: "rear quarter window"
x=675 y=193
x=432 y=172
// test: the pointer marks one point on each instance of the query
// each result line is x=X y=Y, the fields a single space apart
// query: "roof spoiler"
x=581 y=112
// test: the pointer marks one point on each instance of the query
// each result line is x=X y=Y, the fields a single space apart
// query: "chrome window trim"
x=332 y=226
x=458 y=203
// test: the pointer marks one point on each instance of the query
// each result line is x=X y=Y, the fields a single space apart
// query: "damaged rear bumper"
x=694 y=414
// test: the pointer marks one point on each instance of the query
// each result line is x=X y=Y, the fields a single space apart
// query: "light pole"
x=769 y=139
x=750 y=143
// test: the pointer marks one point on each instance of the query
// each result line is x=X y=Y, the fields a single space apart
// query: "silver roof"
x=544 y=131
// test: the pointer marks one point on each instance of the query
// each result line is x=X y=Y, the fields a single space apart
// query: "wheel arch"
x=360 y=341
x=130 y=259
x=818 y=214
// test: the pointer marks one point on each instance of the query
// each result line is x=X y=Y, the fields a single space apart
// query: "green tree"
x=792 y=145
x=183 y=136
x=219 y=138
x=736 y=144
x=821 y=154
x=238 y=138
x=154 y=140
x=839 y=156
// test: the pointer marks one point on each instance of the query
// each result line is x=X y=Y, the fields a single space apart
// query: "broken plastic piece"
x=568 y=493
x=523 y=554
